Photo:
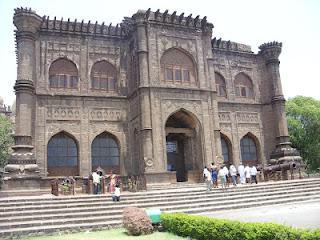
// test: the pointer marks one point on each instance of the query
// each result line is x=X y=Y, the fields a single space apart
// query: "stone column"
x=145 y=108
x=22 y=164
x=283 y=152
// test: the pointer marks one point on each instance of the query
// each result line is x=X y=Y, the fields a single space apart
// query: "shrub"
x=136 y=221
x=198 y=227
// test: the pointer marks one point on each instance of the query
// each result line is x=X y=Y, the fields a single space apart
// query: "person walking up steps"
x=233 y=173
x=214 y=176
x=253 y=173
x=222 y=177
x=241 y=174
x=207 y=178
x=247 y=173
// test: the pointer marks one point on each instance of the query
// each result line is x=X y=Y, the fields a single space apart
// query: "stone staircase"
x=24 y=216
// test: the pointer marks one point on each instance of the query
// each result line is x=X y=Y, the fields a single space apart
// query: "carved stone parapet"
x=26 y=20
x=230 y=46
x=271 y=52
x=173 y=19
x=24 y=85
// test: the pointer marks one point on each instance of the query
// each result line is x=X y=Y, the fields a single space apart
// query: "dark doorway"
x=175 y=156
x=183 y=141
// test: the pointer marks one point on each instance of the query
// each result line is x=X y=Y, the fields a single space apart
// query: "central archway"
x=183 y=145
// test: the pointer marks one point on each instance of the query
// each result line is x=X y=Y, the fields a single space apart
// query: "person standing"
x=214 y=176
x=241 y=174
x=233 y=173
x=96 y=182
x=207 y=178
x=226 y=172
x=116 y=193
x=113 y=181
x=222 y=177
x=253 y=173
x=247 y=173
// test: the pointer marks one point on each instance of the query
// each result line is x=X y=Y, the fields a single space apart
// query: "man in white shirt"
x=233 y=174
x=241 y=173
x=247 y=173
x=253 y=173
x=207 y=178
x=96 y=182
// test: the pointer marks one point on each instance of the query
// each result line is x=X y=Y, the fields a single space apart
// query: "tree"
x=6 y=139
x=303 y=115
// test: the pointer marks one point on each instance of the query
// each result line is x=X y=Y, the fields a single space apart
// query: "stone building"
x=4 y=109
x=153 y=95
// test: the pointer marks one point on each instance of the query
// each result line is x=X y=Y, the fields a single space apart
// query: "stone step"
x=160 y=191
x=157 y=187
x=103 y=200
x=117 y=219
x=148 y=194
x=164 y=206
x=37 y=215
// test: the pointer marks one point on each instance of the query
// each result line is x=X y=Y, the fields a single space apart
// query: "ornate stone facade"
x=141 y=97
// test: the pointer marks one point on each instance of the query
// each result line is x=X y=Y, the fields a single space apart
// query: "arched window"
x=177 y=67
x=63 y=73
x=220 y=84
x=62 y=156
x=243 y=85
x=104 y=76
x=105 y=153
x=226 y=150
x=248 y=150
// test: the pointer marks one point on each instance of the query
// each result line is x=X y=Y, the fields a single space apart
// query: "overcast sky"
x=295 y=23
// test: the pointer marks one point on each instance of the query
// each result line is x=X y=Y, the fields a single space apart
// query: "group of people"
x=114 y=184
x=213 y=174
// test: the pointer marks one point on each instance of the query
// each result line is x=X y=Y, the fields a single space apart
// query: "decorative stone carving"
x=169 y=106
x=63 y=113
x=148 y=163
x=63 y=47
x=113 y=51
x=106 y=114
x=247 y=117
x=241 y=65
x=224 y=117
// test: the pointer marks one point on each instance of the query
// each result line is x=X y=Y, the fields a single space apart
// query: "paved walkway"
x=303 y=214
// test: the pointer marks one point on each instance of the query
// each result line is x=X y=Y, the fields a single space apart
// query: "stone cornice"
x=219 y=44
x=174 y=20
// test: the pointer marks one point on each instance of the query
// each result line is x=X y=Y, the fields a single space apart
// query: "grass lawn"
x=117 y=234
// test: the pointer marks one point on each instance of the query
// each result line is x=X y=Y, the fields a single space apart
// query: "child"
x=116 y=194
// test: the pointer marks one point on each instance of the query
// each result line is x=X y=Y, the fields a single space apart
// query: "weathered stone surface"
x=142 y=107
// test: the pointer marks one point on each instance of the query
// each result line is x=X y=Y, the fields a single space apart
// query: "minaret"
x=22 y=165
x=284 y=153
x=146 y=125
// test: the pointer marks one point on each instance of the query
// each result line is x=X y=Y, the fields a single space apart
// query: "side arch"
x=243 y=85
x=103 y=76
x=62 y=155
x=178 y=66
x=220 y=84
x=226 y=148
x=105 y=152
x=250 y=149
x=63 y=73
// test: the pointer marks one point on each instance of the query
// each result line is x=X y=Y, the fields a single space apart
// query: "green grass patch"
x=116 y=234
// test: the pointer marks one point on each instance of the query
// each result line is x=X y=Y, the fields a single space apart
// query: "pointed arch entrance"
x=62 y=155
x=183 y=144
